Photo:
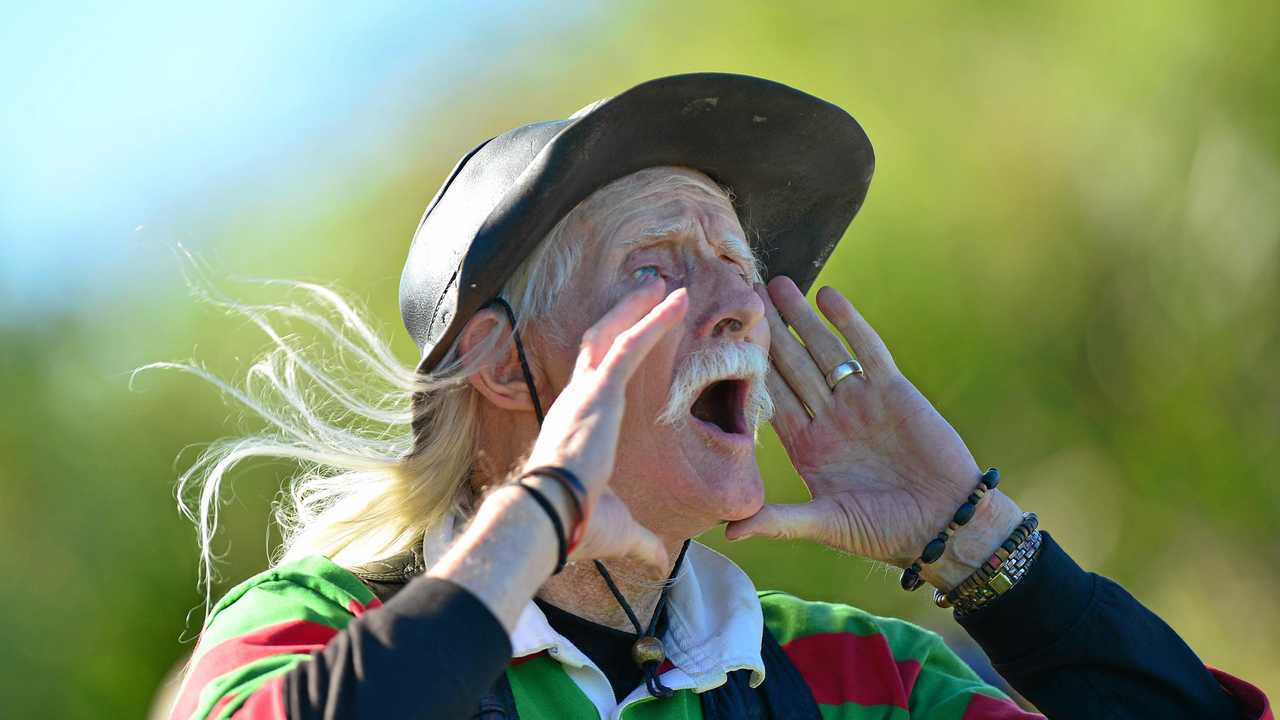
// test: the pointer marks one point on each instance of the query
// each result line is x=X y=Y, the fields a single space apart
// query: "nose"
x=731 y=308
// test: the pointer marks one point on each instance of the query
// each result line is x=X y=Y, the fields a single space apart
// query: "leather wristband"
x=577 y=495
x=553 y=515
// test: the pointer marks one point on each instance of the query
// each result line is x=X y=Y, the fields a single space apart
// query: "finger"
x=865 y=341
x=802 y=521
x=789 y=414
x=627 y=312
x=792 y=360
x=823 y=346
x=632 y=345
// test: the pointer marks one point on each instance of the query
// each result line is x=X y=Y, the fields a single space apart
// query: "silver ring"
x=842 y=371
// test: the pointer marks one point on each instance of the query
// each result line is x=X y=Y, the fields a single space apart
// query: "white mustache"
x=736 y=360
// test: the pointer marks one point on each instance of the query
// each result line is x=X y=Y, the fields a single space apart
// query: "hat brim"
x=799 y=168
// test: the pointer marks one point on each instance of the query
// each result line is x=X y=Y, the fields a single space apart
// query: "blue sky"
x=115 y=114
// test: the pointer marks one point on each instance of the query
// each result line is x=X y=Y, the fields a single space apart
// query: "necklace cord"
x=650 y=668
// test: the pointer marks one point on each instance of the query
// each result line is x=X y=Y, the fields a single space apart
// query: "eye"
x=645 y=272
x=742 y=270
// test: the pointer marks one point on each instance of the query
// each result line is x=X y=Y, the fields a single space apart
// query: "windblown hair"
x=343 y=410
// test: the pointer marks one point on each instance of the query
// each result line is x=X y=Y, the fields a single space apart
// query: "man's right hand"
x=580 y=431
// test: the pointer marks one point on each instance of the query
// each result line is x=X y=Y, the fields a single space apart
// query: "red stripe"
x=843 y=667
x=518 y=661
x=356 y=608
x=909 y=671
x=294 y=636
x=1253 y=700
x=265 y=704
x=983 y=707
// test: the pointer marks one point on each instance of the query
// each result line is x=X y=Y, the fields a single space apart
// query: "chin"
x=748 y=500
x=724 y=486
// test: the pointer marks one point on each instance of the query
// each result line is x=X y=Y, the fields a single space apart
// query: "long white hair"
x=342 y=410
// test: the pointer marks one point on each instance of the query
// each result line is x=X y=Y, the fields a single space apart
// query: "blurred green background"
x=1071 y=245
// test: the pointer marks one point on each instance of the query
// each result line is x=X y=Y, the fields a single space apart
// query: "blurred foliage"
x=1071 y=245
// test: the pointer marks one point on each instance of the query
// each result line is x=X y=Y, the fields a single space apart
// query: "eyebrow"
x=653 y=234
x=650 y=234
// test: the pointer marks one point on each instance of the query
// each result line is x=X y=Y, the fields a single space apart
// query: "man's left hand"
x=885 y=470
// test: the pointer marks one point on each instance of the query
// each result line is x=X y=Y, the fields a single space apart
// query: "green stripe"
x=544 y=691
x=790 y=618
x=243 y=682
x=912 y=642
x=684 y=705
x=243 y=693
x=313 y=589
x=946 y=685
x=854 y=711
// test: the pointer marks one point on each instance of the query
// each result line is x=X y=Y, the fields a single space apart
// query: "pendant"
x=648 y=649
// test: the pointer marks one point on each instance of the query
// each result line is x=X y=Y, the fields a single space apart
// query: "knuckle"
x=627 y=342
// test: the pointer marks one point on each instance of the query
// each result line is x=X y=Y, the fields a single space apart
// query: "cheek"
x=651 y=383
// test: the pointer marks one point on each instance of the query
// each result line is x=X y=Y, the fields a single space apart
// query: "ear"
x=501 y=381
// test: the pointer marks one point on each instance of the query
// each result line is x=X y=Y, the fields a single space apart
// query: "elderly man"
x=607 y=269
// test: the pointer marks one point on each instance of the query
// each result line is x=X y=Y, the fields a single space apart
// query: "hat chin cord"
x=647 y=651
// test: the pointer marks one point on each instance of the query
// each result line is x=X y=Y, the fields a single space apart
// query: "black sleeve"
x=432 y=651
x=1077 y=645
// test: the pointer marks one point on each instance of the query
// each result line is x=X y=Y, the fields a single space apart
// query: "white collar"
x=715 y=626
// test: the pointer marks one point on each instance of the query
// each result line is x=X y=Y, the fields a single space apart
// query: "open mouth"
x=723 y=404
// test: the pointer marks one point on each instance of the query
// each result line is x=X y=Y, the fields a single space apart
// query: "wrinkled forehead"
x=661 y=202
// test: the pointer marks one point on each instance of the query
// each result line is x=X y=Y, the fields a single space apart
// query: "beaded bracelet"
x=911 y=579
x=999 y=573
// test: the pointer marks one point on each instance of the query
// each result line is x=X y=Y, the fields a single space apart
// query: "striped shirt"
x=857 y=665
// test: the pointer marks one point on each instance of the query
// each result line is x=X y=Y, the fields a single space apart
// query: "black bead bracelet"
x=911 y=579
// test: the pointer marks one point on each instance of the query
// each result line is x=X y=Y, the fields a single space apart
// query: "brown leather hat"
x=798 y=166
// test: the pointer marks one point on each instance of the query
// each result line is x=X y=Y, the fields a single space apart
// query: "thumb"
x=782 y=522
x=646 y=548
x=614 y=534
